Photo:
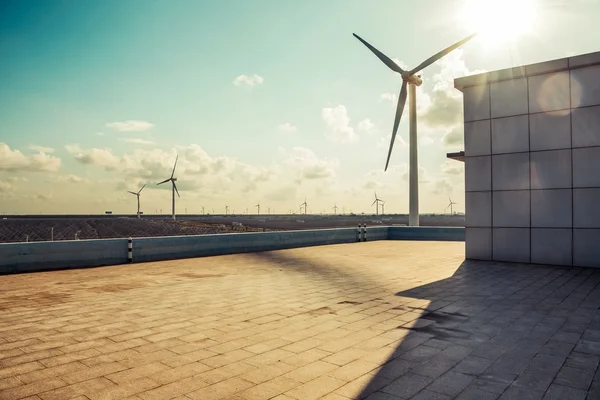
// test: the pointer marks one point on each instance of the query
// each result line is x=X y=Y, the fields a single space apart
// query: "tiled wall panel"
x=549 y=131
x=510 y=134
x=477 y=138
x=551 y=246
x=585 y=86
x=509 y=98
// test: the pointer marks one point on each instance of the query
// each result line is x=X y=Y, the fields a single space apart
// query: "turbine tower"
x=226 y=209
x=450 y=206
x=382 y=207
x=258 y=207
x=172 y=179
x=305 y=205
x=335 y=207
x=138 y=198
x=409 y=78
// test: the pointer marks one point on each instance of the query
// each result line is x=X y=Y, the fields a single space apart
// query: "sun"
x=498 y=21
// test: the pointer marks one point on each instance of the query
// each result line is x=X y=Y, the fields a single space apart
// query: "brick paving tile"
x=268 y=389
x=472 y=393
x=451 y=383
x=316 y=388
x=407 y=385
x=78 y=389
x=311 y=371
x=558 y=392
x=221 y=390
x=428 y=395
x=387 y=320
x=363 y=386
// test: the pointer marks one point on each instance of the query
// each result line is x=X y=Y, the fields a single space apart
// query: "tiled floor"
x=382 y=320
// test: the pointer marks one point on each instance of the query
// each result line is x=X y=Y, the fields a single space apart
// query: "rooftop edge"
x=561 y=64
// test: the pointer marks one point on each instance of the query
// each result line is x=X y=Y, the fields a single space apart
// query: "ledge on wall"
x=458 y=156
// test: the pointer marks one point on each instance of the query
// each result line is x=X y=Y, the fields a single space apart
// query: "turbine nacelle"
x=413 y=79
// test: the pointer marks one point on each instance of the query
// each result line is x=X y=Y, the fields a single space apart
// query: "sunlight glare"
x=499 y=21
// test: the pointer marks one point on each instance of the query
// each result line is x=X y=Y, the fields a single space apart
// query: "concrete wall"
x=166 y=248
x=37 y=256
x=532 y=162
x=426 y=233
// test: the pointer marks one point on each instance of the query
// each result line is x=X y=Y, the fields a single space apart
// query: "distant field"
x=38 y=228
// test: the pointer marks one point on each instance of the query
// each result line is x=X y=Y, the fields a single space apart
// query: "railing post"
x=364 y=232
x=129 y=250
x=358 y=233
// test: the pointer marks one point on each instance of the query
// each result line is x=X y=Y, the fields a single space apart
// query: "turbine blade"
x=175 y=186
x=386 y=60
x=399 y=109
x=132 y=192
x=373 y=202
x=165 y=181
x=173 y=173
x=441 y=54
x=142 y=188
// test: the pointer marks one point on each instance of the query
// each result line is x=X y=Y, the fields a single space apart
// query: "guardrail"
x=38 y=256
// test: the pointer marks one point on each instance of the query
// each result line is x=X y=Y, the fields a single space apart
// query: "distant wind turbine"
x=409 y=78
x=305 y=205
x=335 y=207
x=382 y=207
x=138 y=199
x=258 y=207
x=376 y=202
x=450 y=206
x=172 y=179
x=226 y=209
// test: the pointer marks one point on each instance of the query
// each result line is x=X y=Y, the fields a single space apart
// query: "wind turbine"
x=138 y=198
x=382 y=207
x=174 y=188
x=226 y=209
x=409 y=78
x=335 y=207
x=376 y=202
x=450 y=206
x=305 y=205
x=258 y=207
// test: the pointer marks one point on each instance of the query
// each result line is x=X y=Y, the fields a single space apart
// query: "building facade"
x=532 y=162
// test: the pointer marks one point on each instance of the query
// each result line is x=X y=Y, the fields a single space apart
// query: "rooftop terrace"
x=382 y=320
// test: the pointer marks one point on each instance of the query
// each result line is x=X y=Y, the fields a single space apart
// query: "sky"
x=266 y=101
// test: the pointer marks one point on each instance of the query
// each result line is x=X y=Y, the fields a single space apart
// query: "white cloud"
x=338 y=124
x=136 y=141
x=248 y=80
x=69 y=179
x=442 y=186
x=453 y=167
x=425 y=140
x=5 y=187
x=41 y=149
x=94 y=156
x=309 y=166
x=373 y=184
x=14 y=160
x=130 y=126
x=455 y=137
x=43 y=196
x=366 y=126
x=391 y=97
x=384 y=142
x=287 y=127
